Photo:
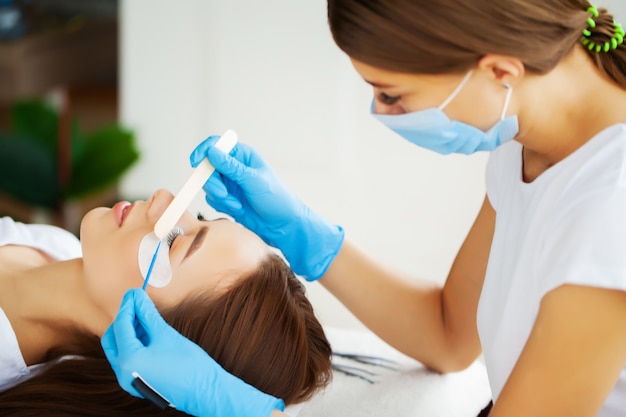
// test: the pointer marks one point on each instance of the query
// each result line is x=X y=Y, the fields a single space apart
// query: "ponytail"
x=603 y=40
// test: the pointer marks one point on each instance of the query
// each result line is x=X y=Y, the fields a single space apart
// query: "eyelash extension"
x=200 y=216
x=171 y=236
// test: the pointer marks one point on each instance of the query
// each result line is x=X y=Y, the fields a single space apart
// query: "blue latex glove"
x=247 y=189
x=139 y=340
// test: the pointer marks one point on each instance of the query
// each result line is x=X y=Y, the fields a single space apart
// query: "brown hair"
x=447 y=36
x=262 y=330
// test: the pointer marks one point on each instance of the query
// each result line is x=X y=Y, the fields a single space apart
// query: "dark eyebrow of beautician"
x=378 y=85
x=197 y=241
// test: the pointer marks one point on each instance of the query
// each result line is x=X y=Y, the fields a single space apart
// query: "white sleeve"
x=587 y=245
x=54 y=241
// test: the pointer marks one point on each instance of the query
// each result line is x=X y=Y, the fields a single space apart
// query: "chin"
x=93 y=216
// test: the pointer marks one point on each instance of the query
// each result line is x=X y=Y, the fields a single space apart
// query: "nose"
x=381 y=108
x=158 y=203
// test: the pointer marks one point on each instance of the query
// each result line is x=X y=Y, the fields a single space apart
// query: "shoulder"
x=584 y=237
x=601 y=160
x=12 y=366
x=57 y=242
x=592 y=181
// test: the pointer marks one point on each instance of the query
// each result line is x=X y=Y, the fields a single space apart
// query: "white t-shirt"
x=567 y=226
x=55 y=242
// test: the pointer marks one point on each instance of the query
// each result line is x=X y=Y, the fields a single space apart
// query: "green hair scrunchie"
x=616 y=40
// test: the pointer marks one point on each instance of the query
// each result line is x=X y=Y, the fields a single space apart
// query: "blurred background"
x=149 y=79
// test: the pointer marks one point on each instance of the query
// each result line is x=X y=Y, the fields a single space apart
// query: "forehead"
x=383 y=78
x=373 y=75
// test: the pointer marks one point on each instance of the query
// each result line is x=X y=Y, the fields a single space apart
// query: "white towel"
x=412 y=390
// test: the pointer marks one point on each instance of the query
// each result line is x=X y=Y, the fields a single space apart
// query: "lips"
x=120 y=211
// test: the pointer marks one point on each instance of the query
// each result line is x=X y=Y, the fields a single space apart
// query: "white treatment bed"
x=408 y=390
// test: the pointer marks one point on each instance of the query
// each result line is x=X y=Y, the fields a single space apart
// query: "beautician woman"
x=539 y=285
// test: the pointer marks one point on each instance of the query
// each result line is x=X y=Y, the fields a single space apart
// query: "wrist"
x=229 y=396
x=313 y=247
x=325 y=251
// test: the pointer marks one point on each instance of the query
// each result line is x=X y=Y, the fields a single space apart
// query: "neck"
x=566 y=108
x=43 y=303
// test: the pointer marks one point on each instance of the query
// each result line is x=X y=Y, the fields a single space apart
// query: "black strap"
x=485 y=411
x=150 y=394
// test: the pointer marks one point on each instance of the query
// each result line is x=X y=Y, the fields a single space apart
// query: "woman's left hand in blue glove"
x=245 y=187
x=140 y=341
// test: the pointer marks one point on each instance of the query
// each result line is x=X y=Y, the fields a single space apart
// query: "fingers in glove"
x=228 y=165
x=148 y=317
x=218 y=197
x=198 y=154
x=123 y=328
x=215 y=186
x=109 y=346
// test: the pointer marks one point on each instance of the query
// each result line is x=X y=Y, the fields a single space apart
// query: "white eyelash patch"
x=162 y=270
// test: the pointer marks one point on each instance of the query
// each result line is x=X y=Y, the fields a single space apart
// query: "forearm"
x=406 y=313
x=434 y=325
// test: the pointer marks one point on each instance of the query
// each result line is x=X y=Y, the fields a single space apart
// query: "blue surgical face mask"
x=432 y=129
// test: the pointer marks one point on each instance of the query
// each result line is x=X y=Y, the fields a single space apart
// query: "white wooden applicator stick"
x=185 y=196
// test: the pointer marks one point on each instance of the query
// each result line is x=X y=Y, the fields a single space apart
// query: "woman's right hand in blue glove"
x=140 y=341
x=247 y=189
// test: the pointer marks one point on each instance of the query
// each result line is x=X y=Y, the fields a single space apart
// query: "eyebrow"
x=379 y=85
x=197 y=241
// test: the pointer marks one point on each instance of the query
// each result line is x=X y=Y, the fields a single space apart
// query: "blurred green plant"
x=29 y=157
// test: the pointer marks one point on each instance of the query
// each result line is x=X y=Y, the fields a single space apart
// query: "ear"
x=505 y=69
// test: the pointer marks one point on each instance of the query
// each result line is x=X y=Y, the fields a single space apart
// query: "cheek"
x=110 y=274
x=182 y=285
x=485 y=107
x=111 y=267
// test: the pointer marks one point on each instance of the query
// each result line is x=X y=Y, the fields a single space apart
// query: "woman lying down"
x=229 y=294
